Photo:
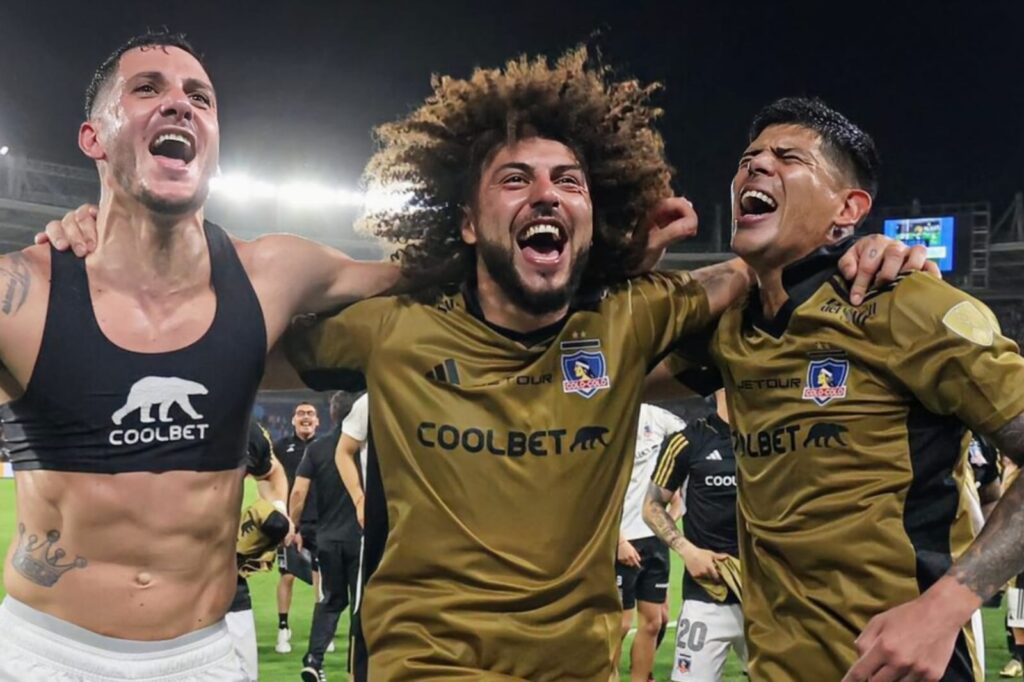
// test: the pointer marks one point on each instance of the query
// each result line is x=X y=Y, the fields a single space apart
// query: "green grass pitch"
x=276 y=667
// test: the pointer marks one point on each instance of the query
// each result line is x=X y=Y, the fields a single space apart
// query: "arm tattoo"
x=998 y=553
x=19 y=277
x=35 y=561
x=657 y=517
x=724 y=284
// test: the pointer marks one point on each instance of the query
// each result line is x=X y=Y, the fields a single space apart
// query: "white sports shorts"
x=704 y=635
x=36 y=647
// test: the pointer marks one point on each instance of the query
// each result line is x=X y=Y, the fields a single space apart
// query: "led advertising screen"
x=935 y=234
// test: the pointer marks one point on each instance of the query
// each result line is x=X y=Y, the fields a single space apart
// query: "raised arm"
x=873 y=259
x=317 y=278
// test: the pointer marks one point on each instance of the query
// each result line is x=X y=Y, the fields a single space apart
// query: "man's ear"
x=468 y=226
x=89 y=141
x=856 y=206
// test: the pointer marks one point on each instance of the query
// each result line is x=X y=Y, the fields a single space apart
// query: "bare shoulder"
x=277 y=249
x=36 y=257
x=271 y=243
x=23 y=276
x=24 y=295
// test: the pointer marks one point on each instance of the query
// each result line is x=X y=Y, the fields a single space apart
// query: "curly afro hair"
x=439 y=151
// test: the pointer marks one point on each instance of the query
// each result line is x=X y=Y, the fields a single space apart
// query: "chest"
x=153 y=325
x=712 y=470
x=290 y=453
x=588 y=368
x=820 y=392
x=472 y=402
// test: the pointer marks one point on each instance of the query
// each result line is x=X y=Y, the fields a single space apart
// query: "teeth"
x=543 y=228
x=759 y=195
x=173 y=137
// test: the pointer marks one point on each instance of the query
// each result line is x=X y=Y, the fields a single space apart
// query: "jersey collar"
x=800 y=279
x=584 y=300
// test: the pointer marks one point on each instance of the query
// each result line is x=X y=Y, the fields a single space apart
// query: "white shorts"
x=1015 y=607
x=704 y=635
x=36 y=647
x=242 y=627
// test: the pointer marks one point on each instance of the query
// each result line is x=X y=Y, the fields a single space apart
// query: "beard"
x=178 y=207
x=500 y=264
x=123 y=164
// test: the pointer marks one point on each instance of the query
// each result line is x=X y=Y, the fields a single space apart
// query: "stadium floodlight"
x=308 y=194
x=382 y=199
x=312 y=194
x=4 y=149
x=240 y=187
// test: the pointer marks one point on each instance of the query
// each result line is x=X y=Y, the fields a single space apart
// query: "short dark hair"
x=341 y=404
x=158 y=38
x=850 y=148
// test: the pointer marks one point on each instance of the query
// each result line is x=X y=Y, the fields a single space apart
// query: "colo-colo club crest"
x=826 y=379
x=584 y=370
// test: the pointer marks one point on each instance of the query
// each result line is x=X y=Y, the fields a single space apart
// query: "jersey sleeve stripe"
x=663 y=457
x=678 y=444
x=668 y=459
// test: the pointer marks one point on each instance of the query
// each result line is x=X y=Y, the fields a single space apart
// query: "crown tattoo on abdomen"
x=34 y=560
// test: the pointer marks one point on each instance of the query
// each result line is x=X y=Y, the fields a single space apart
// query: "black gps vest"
x=92 y=406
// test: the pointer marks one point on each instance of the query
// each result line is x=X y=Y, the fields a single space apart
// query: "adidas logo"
x=715 y=455
x=445 y=372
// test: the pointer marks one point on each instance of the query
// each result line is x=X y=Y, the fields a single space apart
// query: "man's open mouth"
x=756 y=202
x=542 y=241
x=173 y=146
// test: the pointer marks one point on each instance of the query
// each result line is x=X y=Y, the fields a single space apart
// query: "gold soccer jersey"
x=497 y=468
x=848 y=426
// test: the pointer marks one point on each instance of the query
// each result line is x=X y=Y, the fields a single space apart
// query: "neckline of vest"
x=213 y=234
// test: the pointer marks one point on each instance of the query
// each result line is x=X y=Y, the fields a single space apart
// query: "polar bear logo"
x=162 y=391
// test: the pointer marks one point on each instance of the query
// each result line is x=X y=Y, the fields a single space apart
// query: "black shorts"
x=308 y=542
x=243 y=599
x=649 y=582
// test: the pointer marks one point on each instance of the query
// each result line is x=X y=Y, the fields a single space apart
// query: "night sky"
x=939 y=85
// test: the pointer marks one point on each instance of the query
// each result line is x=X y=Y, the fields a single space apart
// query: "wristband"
x=280 y=506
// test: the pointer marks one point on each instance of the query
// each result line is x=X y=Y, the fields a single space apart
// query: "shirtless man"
x=128 y=418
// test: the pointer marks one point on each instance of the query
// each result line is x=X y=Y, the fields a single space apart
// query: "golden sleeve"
x=333 y=352
x=665 y=307
x=949 y=352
